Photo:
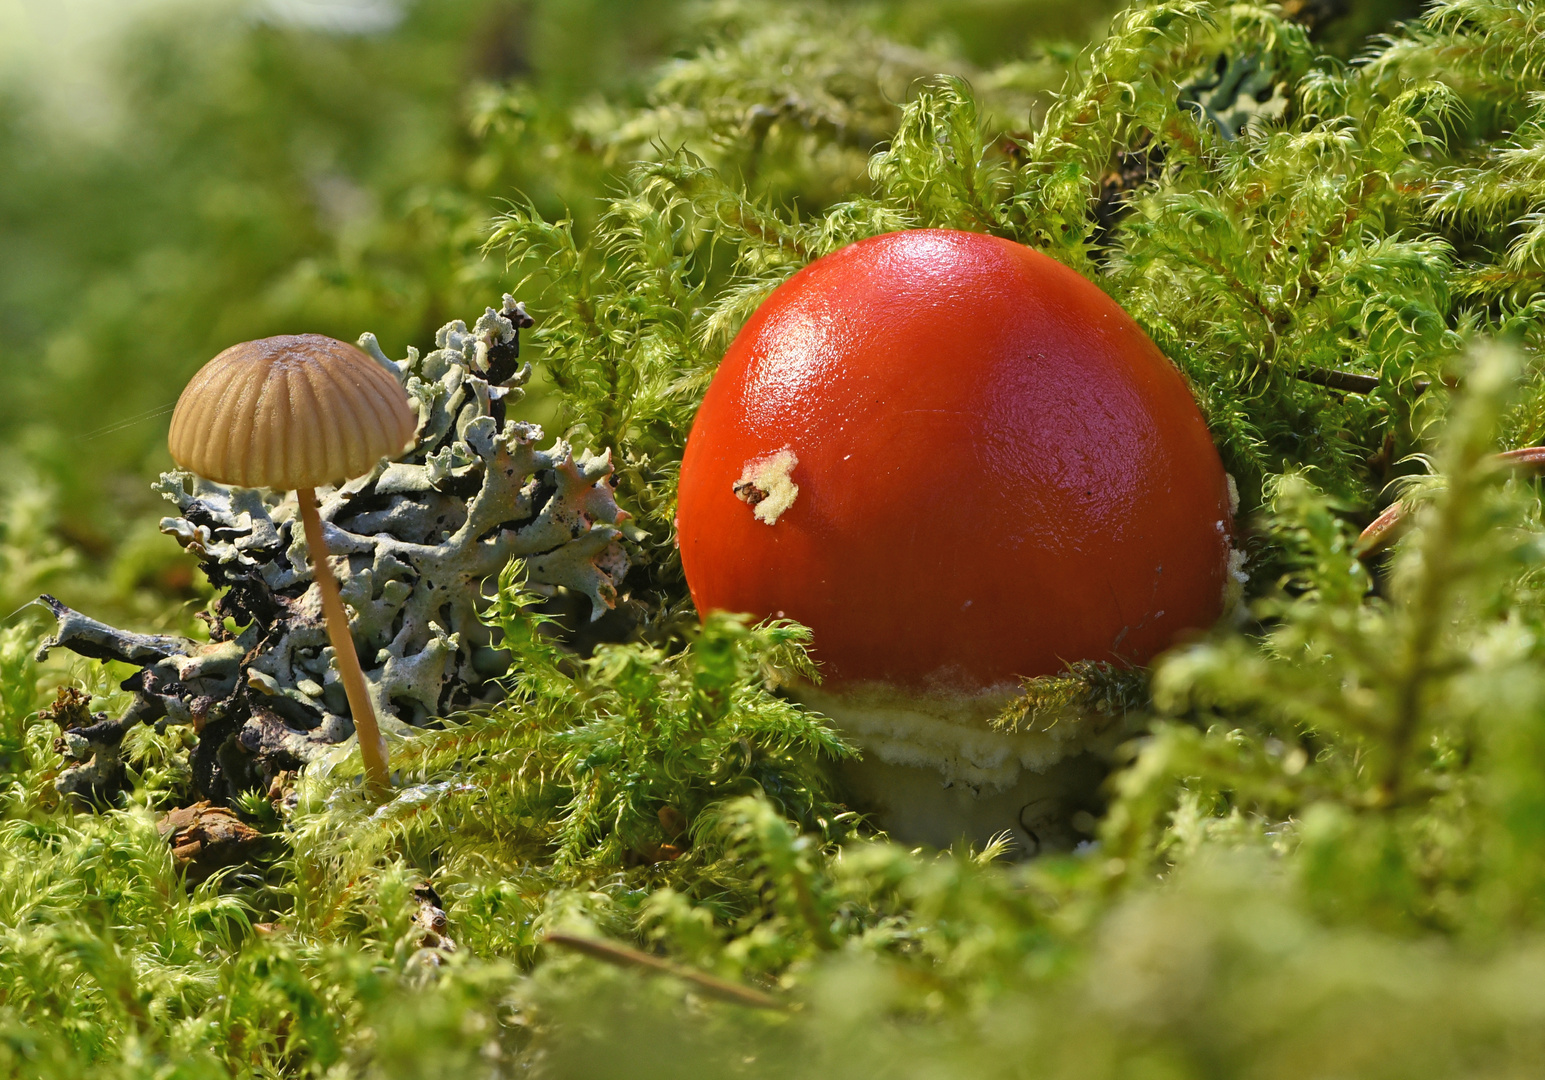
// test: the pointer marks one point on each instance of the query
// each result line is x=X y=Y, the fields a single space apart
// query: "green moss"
x=1326 y=852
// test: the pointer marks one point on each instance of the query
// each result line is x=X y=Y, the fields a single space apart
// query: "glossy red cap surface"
x=998 y=472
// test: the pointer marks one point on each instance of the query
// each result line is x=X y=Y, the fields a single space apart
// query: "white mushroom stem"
x=372 y=747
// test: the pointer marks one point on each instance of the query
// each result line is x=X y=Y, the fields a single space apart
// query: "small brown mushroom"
x=295 y=413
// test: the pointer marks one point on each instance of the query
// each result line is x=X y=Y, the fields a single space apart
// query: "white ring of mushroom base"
x=935 y=771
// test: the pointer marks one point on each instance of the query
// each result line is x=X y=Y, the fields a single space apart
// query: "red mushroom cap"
x=959 y=463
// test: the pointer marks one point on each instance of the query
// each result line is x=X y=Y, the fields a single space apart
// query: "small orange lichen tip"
x=289 y=412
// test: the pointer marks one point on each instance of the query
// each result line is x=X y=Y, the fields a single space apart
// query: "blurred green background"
x=180 y=175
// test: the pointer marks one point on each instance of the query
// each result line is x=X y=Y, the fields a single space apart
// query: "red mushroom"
x=960 y=464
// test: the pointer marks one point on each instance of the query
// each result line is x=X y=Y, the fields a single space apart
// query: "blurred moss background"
x=180 y=175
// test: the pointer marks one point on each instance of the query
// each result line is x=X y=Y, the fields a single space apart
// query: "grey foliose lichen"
x=416 y=545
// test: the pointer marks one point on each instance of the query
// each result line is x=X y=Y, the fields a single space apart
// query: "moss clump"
x=1326 y=853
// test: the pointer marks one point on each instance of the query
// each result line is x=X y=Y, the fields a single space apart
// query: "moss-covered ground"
x=1324 y=851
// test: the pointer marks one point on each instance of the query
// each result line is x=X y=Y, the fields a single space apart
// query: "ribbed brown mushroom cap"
x=289 y=412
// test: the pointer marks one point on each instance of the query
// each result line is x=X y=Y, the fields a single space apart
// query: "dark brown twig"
x=1396 y=518
x=1350 y=382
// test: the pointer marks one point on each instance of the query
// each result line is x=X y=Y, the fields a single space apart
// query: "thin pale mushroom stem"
x=372 y=747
